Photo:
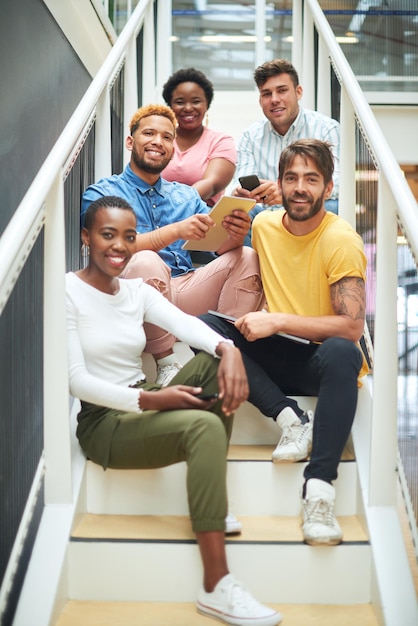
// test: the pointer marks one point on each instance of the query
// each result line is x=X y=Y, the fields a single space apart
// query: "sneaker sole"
x=335 y=541
x=288 y=459
x=233 y=621
x=235 y=531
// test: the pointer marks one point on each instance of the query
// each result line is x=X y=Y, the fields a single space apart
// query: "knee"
x=340 y=355
x=249 y=258
x=250 y=270
x=205 y=431
x=149 y=266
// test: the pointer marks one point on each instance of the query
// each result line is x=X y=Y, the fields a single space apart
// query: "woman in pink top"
x=203 y=158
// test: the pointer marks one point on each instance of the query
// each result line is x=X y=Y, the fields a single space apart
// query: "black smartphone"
x=249 y=182
x=207 y=396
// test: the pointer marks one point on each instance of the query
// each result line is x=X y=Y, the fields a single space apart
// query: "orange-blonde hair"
x=147 y=111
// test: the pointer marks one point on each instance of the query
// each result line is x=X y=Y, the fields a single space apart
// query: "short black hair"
x=105 y=202
x=188 y=75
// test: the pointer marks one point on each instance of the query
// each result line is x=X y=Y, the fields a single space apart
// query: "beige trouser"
x=229 y=284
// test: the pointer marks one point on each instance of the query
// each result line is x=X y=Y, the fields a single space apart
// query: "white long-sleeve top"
x=106 y=338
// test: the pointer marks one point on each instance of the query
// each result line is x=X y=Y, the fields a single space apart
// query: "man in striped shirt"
x=286 y=121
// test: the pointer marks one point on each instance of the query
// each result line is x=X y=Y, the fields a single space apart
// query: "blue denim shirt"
x=155 y=206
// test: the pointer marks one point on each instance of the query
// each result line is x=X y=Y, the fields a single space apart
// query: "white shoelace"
x=320 y=512
x=289 y=434
x=238 y=596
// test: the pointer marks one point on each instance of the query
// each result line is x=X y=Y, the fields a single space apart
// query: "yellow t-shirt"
x=297 y=271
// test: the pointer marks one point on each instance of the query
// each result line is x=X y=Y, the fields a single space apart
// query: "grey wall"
x=41 y=82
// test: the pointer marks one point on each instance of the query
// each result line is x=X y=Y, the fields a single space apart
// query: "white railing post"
x=130 y=103
x=307 y=72
x=57 y=442
x=347 y=186
x=297 y=36
x=103 y=142
x=324 y=79
x=164 y=45
x=383 y=454
x=148 y=61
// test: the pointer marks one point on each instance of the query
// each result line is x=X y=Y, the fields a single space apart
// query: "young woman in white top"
x=126 y=422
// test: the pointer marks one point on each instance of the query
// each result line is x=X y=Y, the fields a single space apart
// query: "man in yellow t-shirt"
x=313 y=269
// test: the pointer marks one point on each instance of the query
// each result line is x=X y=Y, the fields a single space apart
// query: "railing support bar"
x=347 y=191
x=383 y=457
x=57 y=440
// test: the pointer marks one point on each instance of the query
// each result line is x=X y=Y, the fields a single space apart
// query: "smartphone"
x=207 y=396
x=249 y=182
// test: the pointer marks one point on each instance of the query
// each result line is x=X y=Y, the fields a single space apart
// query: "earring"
x=85 y=251
x=207 y=119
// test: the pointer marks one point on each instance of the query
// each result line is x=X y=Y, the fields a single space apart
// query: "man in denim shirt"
x=167 y=215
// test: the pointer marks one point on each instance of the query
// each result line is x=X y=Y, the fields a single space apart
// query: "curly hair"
x=188 y=75
x=315 y=149
x=147 y=111
x=273 y=68
x=105 y=202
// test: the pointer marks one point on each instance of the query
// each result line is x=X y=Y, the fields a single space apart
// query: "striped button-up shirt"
x=261 y=145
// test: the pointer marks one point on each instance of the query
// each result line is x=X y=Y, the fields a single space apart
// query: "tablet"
x=231 y=319
x=217 y=234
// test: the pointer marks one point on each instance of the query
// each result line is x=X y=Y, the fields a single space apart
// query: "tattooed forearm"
x=348 y=297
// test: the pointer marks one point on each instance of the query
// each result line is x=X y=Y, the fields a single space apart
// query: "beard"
x=295 y=215
x=146 y=166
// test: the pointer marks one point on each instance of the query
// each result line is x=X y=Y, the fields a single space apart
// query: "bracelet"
x=139 y=399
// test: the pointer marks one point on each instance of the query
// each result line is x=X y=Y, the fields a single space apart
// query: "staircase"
x=132 y=558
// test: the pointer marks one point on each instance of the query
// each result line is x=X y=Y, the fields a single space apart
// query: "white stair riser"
x=161 y=572
x=252 y=427
x=254 y=488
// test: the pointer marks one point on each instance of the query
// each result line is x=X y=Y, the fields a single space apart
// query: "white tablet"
x=217 y=234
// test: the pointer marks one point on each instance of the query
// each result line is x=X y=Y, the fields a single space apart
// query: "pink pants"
x=229 y=284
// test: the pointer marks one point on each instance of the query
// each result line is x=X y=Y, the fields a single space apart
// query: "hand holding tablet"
x=217 y=234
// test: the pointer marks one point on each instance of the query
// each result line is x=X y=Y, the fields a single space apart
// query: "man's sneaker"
x=232 y=525
x=296 y=440
x=166 y=373
x=230 y=603
x=319 y=524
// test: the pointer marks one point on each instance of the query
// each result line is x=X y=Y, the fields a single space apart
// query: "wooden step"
x=182 y=614
x=175 y=528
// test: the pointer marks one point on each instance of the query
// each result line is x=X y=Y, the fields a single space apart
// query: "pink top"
x=189 y=166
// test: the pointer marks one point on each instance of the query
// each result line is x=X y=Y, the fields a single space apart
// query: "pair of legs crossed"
x=153 y=439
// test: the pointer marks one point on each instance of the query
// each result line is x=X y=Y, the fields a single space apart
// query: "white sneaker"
x=230 y=603
x=166 y=373
x=319 y=524
x=296 y=440
x=232 y=525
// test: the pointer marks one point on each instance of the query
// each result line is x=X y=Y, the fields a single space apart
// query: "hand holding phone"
x=249 y=182
x=207 y=396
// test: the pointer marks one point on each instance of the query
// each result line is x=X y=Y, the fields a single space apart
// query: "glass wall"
x=379 y=38
x=219 y=38
x=381 y=41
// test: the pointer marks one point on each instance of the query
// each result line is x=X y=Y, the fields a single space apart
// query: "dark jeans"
x=278 y=367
